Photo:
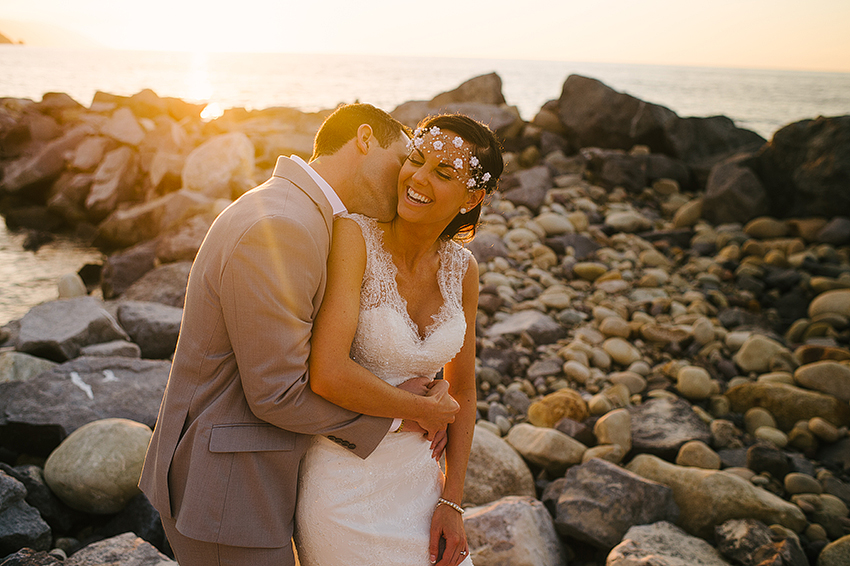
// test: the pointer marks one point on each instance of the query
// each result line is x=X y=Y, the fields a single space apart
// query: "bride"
x=401 y=300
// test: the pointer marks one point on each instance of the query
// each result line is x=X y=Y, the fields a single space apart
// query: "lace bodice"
x=387 y=341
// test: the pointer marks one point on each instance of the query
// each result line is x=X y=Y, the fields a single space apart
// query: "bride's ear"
x=475 y=198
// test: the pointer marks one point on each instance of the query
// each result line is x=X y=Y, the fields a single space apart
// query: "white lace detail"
x=378 y=510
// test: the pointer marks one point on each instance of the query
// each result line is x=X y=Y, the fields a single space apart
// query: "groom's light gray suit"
x=238 y=411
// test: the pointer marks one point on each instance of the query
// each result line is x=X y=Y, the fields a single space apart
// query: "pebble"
x=756 y=418
x=621 y=351
x=698 y=454
x=772 y=435
x=796 y=482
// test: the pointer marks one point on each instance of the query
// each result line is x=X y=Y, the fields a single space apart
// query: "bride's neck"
x=410 y=243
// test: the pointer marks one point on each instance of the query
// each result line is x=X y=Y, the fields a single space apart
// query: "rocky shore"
x=663 y=328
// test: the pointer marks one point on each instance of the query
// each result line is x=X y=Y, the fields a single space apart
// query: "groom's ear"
x=364 y=138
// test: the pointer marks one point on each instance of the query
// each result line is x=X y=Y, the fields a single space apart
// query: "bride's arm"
x=333 y=374
x=460 y=374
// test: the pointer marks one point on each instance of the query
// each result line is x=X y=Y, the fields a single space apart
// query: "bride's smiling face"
x=434 y=180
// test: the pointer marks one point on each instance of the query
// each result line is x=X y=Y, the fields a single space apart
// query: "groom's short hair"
x=341 y=127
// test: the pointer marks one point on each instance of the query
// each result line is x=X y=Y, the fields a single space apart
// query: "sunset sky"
x=772 y=34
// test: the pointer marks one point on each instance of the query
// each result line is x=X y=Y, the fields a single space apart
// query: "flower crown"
x=457 y=152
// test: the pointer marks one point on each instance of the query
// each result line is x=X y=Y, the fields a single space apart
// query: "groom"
x=238 y=411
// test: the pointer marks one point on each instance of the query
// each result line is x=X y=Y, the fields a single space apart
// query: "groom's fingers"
x=438 y=445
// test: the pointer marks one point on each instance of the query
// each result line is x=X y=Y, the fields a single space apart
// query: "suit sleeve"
x=268 y=288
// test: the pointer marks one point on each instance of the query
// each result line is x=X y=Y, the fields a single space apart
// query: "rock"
x=628 y=221
x=828 y=377
x=116 y=348
x=836 y=553
x=553 y=407
x=45 y=164
x=615 y=428
x=123 y=127
x=616 y=168
x=698 y=454
x=836 y=232
x=757 y=352
x=122 y=269
x=836 y=301
x=550 y=449
x=71 y=286
x=165 y=284
x=123 y=550
x=734 y=193
x=747 y=541
x=58 y=329
x=30 y=557
x=589 y=270
x=495 y=470
x=694 y=383
x=757 y=417
x=90 y=152
x=765 y=227
x=614 y=326
x=513 y=530
x=788 y=404
x=805 y=165
x=15 y=366
x=688 y=214
x=114 y=182
x=663 y=544
x=485 y=89
x=20 y=524
x=661 y=426
x=60 y=517
x=138 y=517
x=45 y=409
x=533 y=184
x=153 y=326
x=97 y=468
x=708 y=498
x=796 y=482
x=487 y=246
x=599 y=501
x=621 y=351
x=540 y=327
x=221 y=167
x=555 y=224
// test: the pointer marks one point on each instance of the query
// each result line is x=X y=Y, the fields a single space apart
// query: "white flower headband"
x=456 y=151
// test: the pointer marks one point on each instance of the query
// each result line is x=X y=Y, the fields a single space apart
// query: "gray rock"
x=59 y=516
x=542 y=328
x=116 y=348
x=122 y=269
x=115 y=181
x=30 y=557
x=663 y=544
x=47 y=408
x=662 y=426
x=599 y=501
x=550 y=449
x=513 y=530
x=153 y=326
x=58 y=329
x=183 y=243
x=495 y=470
x=20 y=524
x=533 y=184
x=487 y=246
x=16 y=366
x=123 y=550
x=751 y=542
x=45 y=164
x=166 y=284
x=221 y=166
x=734 y=193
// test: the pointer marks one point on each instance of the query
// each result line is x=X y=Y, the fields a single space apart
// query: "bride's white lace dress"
x=378 y=510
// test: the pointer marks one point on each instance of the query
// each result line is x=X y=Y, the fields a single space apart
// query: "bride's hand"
x=443 y=410
x=447 y=524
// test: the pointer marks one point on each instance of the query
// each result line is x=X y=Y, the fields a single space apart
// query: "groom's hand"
x=442 y=411
x=416 y=385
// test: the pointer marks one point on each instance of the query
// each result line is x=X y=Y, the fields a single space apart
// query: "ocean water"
x=760 y=100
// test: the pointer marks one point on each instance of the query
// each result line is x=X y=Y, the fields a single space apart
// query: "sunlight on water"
x=29 y=278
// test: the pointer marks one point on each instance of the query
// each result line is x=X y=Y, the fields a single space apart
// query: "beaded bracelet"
x=400 y=426
x=451 y=504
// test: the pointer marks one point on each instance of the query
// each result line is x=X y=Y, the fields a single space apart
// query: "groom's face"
x=381 y=195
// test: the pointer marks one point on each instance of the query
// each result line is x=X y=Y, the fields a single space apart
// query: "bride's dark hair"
x=487 y=149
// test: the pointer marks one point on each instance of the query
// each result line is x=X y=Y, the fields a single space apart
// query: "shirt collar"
x=334 y=200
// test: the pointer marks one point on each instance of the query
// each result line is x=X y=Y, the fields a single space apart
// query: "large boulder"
x=548 y=448
x=44 y=164
x=807 y=167
x=708 y=498
x=37 y=414
x=734 y=193
x=495 y=470
x=115 y=182
x=788 y=404
x=123 y=550
x=20 y=524
x=97 y=468
x=513 y=530
x=58 y=329
x=153 y=326
x=221 y=167
x=599 y=501
x=165 y=284
x=663 y=544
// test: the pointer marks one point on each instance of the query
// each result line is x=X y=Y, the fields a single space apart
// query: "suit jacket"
x=238 y=410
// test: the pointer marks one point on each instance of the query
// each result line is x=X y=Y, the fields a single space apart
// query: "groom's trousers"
x=191 y=552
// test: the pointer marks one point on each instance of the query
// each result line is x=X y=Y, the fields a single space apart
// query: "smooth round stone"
x=832 y=378
x=802 y=439
x=796 y=482
x=663 y=334
x=653 y=258
x=757 y=352
x=837 y=301
x=554 y=224
x=615 y=427
x=665 y=187
x=694 y=382
x=614 y=326
x=744 y=473
x=734 y=340
x=698 y=454
x=703 y=331
x=576 y=371
x=772 y=435
x=640 y=367
x=492 y=427
x=766 y=227
x=777 y=377
x=634 y=382
x=71 y=285
x=757 y=417
x=611 y=452
x=824 y=430
x=816 y=533
x=579 y=220
x=600 y=404
x=555 y=406
x=629 y=221
x=621 y=351
x=599 y=358
x=96 y=468
x=556 y=297
x=688 y=214
x=589 y=270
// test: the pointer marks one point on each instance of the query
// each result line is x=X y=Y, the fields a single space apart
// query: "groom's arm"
x=268 y=289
